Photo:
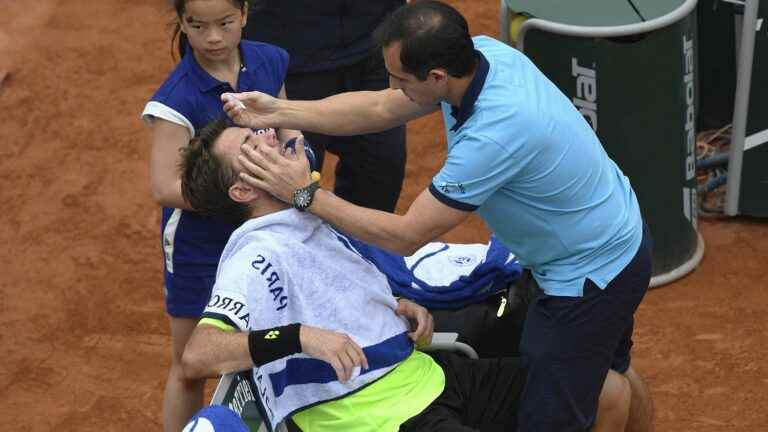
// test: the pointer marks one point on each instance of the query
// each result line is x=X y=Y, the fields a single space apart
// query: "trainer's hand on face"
x=421 y=321
x=337 y=349
x=250 y=109
x=267 y=168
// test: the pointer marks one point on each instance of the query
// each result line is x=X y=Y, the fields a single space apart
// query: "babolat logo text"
x=586 y=91
x=689 y=193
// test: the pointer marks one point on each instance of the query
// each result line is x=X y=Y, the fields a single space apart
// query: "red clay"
x=83 y=336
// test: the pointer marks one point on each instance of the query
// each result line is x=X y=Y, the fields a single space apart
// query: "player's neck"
x=265 y=206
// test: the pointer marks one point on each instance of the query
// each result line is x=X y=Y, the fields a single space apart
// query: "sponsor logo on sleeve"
x=452 y=188
x=229 y=307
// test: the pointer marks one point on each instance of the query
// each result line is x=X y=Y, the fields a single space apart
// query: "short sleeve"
x=159 y=110
x=253 y=281
x=229 y=305
x=475 y=168
x=229 y=297
x=172 y=102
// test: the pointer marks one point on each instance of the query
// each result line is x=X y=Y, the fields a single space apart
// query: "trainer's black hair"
x=181 y=6
x=206 y=179
x=432 y=35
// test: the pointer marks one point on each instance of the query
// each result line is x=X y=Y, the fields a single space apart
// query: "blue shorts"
x=570 y=343
x=187 y=296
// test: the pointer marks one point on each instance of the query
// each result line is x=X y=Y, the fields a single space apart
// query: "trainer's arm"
x=283 y=134
x=267 y=169
x=350 y=113
x=425 y=220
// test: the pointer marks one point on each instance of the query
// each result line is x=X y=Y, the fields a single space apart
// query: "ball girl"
x=214 y=60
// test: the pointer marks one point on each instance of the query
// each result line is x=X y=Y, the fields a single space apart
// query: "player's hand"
x=268 y=168
x=337 y=349
x=422 y=323
x=251 y=109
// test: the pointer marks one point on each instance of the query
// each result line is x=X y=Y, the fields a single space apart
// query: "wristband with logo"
x=271 y=344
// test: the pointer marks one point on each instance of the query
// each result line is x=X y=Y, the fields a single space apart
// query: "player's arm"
x=350 y=113
x=216 y=348
x=167 y=141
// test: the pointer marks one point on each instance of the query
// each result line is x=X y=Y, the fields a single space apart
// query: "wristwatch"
x=302 y=197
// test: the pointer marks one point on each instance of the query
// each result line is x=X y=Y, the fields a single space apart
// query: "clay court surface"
x=84 y=340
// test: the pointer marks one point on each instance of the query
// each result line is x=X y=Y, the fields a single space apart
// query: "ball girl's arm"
x=167 y=141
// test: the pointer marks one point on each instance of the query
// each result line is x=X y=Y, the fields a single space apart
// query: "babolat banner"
x=639 y=94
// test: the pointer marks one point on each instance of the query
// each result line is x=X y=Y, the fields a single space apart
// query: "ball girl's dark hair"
x=180 y=6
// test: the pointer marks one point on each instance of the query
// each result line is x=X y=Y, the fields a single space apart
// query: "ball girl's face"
x=213 y=28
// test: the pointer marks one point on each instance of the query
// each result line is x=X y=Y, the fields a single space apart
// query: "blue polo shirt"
x=191 y=97
x=523 y=157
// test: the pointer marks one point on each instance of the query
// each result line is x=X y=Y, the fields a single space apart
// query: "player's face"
x=229 y=143
x=426 y=93
x=213 y=29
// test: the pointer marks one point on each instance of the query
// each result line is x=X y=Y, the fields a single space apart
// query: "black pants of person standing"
x=371 y=167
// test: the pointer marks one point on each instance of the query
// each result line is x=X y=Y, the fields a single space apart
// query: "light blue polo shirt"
x=523 y=157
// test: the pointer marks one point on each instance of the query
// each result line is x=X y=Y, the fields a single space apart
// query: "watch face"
x=301 y=199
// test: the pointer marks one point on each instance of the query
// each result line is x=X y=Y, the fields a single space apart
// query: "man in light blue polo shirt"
x=525 y=159
x=521 y=155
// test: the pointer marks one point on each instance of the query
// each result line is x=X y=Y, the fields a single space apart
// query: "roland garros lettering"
x=586 y=91
x=227 y=304
x=272 y=278
x=689 y=193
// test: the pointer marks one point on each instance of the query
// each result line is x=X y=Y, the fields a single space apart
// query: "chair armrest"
x=445 y=341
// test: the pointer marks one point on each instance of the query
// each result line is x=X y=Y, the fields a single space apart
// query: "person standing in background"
x=331 y=51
